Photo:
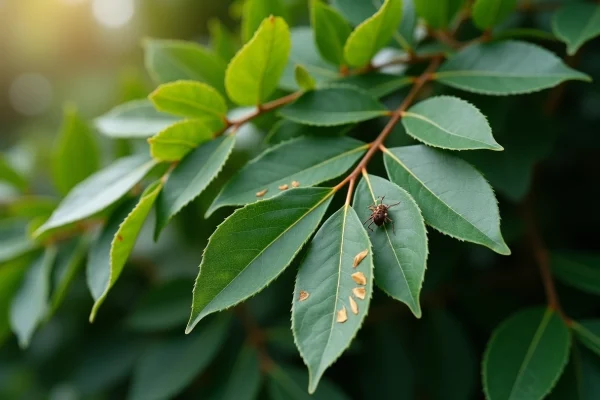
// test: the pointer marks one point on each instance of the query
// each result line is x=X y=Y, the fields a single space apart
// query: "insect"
x=379 y=214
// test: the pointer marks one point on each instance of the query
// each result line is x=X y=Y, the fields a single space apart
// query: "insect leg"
x=392 y=205
x=393 y=224
x=367 y=220
x=369 y=226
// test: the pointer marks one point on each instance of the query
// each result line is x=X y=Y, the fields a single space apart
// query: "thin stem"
x=350 y=190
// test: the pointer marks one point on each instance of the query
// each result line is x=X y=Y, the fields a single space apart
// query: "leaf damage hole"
x=359 y=257
x=359 y=278
x=295 y=184
x=353 y=305
x=342 y=315
x=359 y=292
x=283 y=187
x=303 y=295
x=262 y=193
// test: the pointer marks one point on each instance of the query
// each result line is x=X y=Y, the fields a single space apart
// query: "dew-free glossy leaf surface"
x=487 y=13
x=454 y=198
x=376 y=84
x=255 y=11
x=450 y=123
x=306 y=161
x=285 y=130
x=588 y=333
x=30 y=303
x=325 y=275
x=245 y=379
x=136 y=119
x=437 y=13
x=373 y=34
x=504 y=68
x=99 y=191
x=576 y=23
x=254 y=73
x=579 y=270
x=76 y=147
x=400 y=258
x=122 y=244
x=253 y=246
x=331 y=31
x=173 y=143
x=191 y=100
x=333 y=106
x=167 y=367
x=526 y=356
x=191 y=176
x=303 y=78
x=287 y=382
x=173 y=60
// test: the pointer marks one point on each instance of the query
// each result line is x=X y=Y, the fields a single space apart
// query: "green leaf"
x=254 y=13
x=173 y=60
x=285 y=130
x=333 y=106
x=326 y=313
x=454 y=198
x=30 y=304
x=526 y=355
x=10 y=175
x=306 y=161
x=303 y=78
x=102 y=274
x=14 y=239
x=11 y=274
x=523 y=33
x=286 y=382
x=221 y=39
x=504 y=68
x=373 y=34
x=33 y=206
x=376 y=84
x=244 y=381
x=449 y=123
x=588 y=333
x=69 y=261
x=136 y=119
x=438 y=13
x=487 y=13
x=76 y=146
x=190 y=177
x=99 y=191
x=579 y=270
x=173 y=143
x=253 y=74
x=191 y=100
x=400 y=250
x=166 y=368
x=331 y=31
x=576 y=23
x=253 y=246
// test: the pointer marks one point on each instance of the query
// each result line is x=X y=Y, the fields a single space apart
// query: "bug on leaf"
x=379 y=214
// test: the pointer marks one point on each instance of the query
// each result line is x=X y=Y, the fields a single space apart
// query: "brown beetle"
x=379 y=214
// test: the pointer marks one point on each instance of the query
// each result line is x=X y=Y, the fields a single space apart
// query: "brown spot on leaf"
x=283 y=187
x=262 y=193
x=359 y=292
x=353 y=305
x=295 y=184
x=119 y=238
x=359 y=278
x=359 y=257
x=303 y=295
x=342 y=315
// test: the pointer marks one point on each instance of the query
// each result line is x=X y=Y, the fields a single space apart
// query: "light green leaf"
x=450 y=123
x=14 y=239
x=333 y=106
x=136 y=119
x=579 y=270
x=306 y=161
x=244 y=381
x=30 y=304
x=11 y=274
x=326 y=312
x=373 y=34
x=303 y=78
x=454 y=198
x=286 y=382
x=69 y=261
x=191 y=176
x=504 y=68
x=99 y=191
x=167 y=367
x=400 y=249
x=331 y=31
x=576 y=23
x=376 y=84
x=10 y=175
x=105 y=274
x=253 y=246
x=253 y=74
x=172 y=60
x=191 y=100
x=33 y=206
x=588 y=333
x=438 y=13
x=285 y=130
x=526 y=355
x=221 y=39
x=76 y=146
x=173 y=143
x=487 y=13
x=254 y=13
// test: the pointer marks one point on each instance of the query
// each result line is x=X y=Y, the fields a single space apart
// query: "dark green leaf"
x=576 y=23
x=253 y=246
x=588 y=333
x=333 y=106
x=69 y=261
x=136 y=119
x=400 y=250
x=11 y=274
x=454 y=198
x=173 y=143
x=285 y=130
x=438 y=13
x=504 y=68
x=526 y=355
x=287 y=383
x=10 y=175
x=190 y=177
x=487 y=13
x=255 y=11
x=302 y=162
x=99 y=191
x=244 y=381
x=326 y=311
x=221 y=39
x=331 y=31
x=377 y=84
x=579 y=270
